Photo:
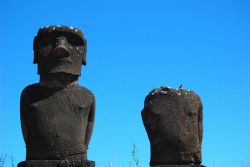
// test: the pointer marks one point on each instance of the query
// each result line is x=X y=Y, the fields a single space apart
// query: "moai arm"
x=23 y=110
x=200 y=123
x=90 y=125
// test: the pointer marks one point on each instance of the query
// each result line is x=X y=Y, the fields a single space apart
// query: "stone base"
x=56 y=163
x=178 y=166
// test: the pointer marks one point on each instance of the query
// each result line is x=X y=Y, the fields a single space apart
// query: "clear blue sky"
x=133 y=47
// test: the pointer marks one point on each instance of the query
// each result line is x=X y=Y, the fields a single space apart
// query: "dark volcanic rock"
x=173 y=121
x=60 y=49
x=58 y=123
x=57 y=115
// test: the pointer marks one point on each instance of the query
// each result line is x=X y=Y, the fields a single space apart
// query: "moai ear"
x=84 y=62
x=35 y=43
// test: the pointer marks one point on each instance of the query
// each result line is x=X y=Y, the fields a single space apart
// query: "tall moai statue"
x=57 y=115
x=174 y=123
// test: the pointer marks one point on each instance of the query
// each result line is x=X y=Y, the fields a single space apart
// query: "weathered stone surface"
x=173 y=121
x=56 y=163
x=60 y=49
x=57 y=115
x=57 y=122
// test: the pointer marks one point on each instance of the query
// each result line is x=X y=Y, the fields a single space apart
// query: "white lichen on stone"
x=168 y=91
x=155 y=91
x=164 y=92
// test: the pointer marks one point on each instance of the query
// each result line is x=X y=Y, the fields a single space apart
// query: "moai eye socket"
x=45 y=40
x=75 y=40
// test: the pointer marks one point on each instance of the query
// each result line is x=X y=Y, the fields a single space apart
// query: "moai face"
x=59 y=49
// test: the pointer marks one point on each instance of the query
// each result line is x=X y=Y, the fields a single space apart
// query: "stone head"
x=59 y=49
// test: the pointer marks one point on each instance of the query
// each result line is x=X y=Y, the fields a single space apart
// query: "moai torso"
x=57 y=115
x=57 y=121
x=173 y=121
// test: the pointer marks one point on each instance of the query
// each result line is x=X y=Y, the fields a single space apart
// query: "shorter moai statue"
x=173 y=121
x=57 y=115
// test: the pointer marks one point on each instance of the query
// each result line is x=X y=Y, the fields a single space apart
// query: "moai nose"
x=61 y=50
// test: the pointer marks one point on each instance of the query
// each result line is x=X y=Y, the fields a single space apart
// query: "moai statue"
x=173 y=121
x=57 y=115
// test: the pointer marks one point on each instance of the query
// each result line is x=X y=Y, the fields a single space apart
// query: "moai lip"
x=57 y=114
x=173 y=121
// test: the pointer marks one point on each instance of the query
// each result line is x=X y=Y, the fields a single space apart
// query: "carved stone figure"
x=173 y=121
x=57 y=115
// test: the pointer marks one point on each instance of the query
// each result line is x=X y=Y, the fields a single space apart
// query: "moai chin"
x=173 y=121
x=57 y=115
